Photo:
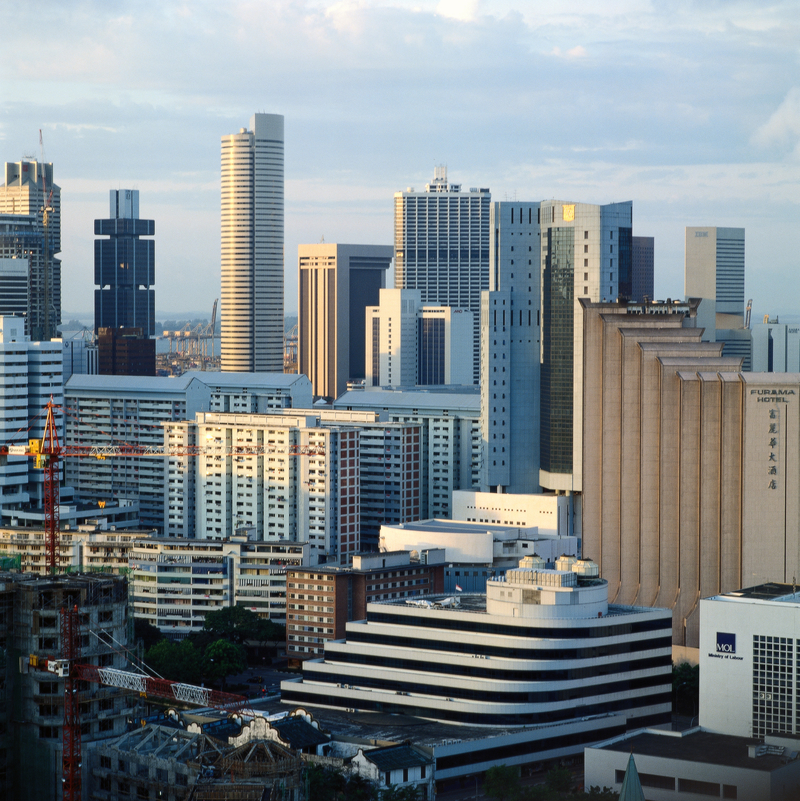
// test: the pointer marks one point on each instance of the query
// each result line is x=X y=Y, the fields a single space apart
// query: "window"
x=422 y=768
x=387 y=778
x=730 y=791
x=585 y=234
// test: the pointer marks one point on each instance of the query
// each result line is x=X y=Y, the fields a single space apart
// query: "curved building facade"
x=542 y=647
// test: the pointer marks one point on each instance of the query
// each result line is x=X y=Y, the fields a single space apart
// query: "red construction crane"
x=69 y=669
x=48 y=452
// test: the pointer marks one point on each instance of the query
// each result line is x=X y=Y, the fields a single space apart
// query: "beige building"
x=336 y=285
x=691 y=467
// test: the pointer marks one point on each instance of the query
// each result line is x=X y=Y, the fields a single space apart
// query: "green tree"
x=175 y=661
x=685 y=688
x=146 y=633
x=223 y=658
x=559 y=779
x=501 y=782
x=395 y=793
x=238 y=624
x=606 y=794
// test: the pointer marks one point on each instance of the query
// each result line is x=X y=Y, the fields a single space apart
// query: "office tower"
x=27 y=185
x=585 y=253
x=336 y=284
x=510 y=346
x=411 y=344
x=714 y=272
x=252 y=247
x=775 y=347
x=441 y=247
x=642 y=268
x=125 y=351
x=30 y=373
x=124 y=267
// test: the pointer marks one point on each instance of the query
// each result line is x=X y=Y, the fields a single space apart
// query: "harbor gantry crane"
x=69 y=668
x=48 y=453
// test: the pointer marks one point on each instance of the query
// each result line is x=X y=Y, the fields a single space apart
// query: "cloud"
x=783 y=126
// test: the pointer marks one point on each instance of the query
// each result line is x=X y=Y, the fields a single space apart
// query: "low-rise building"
x=542 y=648
x=321 y=600
x=404 y=766
x=175 y=582
x=697 y=764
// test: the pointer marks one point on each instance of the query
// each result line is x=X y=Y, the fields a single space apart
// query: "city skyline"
x=669 y=109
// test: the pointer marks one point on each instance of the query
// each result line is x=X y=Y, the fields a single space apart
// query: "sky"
x=689 y=108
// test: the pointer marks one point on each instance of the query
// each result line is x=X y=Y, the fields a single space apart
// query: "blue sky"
x=690 y=109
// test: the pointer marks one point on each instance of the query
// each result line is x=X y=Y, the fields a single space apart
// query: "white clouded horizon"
x=689 y=109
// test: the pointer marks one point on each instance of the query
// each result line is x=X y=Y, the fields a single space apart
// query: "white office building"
x=30 y=374
x=749 y=658
x=542 y=648
x=113 y=410
x=441 y=247
x=252 y=247
x=449 y=420
x=411 y=344
x=510 y=351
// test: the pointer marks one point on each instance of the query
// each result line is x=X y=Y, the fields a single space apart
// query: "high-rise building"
x=410 y=344
x=28 y=184
x=252 y=247
x=585 y=253
x=125 y=351
x=124 y=267
x=30 y=375
x=714 y=272
x=642 y=268
x=510 y=347
x=336 y=284
x=775 y=347
x=441 y=247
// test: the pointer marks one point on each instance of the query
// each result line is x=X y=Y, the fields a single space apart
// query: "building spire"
x=631 y=786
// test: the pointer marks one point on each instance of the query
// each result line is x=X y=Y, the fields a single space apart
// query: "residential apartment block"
x=176 y=582
x=113 y=410
x=449 y=421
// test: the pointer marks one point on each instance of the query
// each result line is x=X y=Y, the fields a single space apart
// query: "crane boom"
x=103 y=451
x=141 y=683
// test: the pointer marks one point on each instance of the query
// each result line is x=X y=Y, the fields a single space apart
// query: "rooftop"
x=454 y=396
x=441 y=526
x=696 y=746
x=395 y=757
x=771 y=591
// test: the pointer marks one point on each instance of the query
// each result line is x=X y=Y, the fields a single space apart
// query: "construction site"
x=32 y=712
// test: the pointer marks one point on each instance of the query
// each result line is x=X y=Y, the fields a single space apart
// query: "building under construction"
x=32 y=699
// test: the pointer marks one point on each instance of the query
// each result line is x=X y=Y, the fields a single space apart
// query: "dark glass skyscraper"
x=124 y=267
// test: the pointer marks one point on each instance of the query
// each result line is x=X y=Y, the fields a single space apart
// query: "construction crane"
x=747 y=313
x=48 y=453
x=72 y=671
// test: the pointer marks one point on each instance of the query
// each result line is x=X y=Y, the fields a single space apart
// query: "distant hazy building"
x=775 y=347
x=642 y=268
x=510 y=352
x=252 y=247
x=336 y=284
x=441 y=247
x=411 y=344
x=714 y=271
x=27 y=185
x=124 y=267
x=585 y=253
x=21 y=250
